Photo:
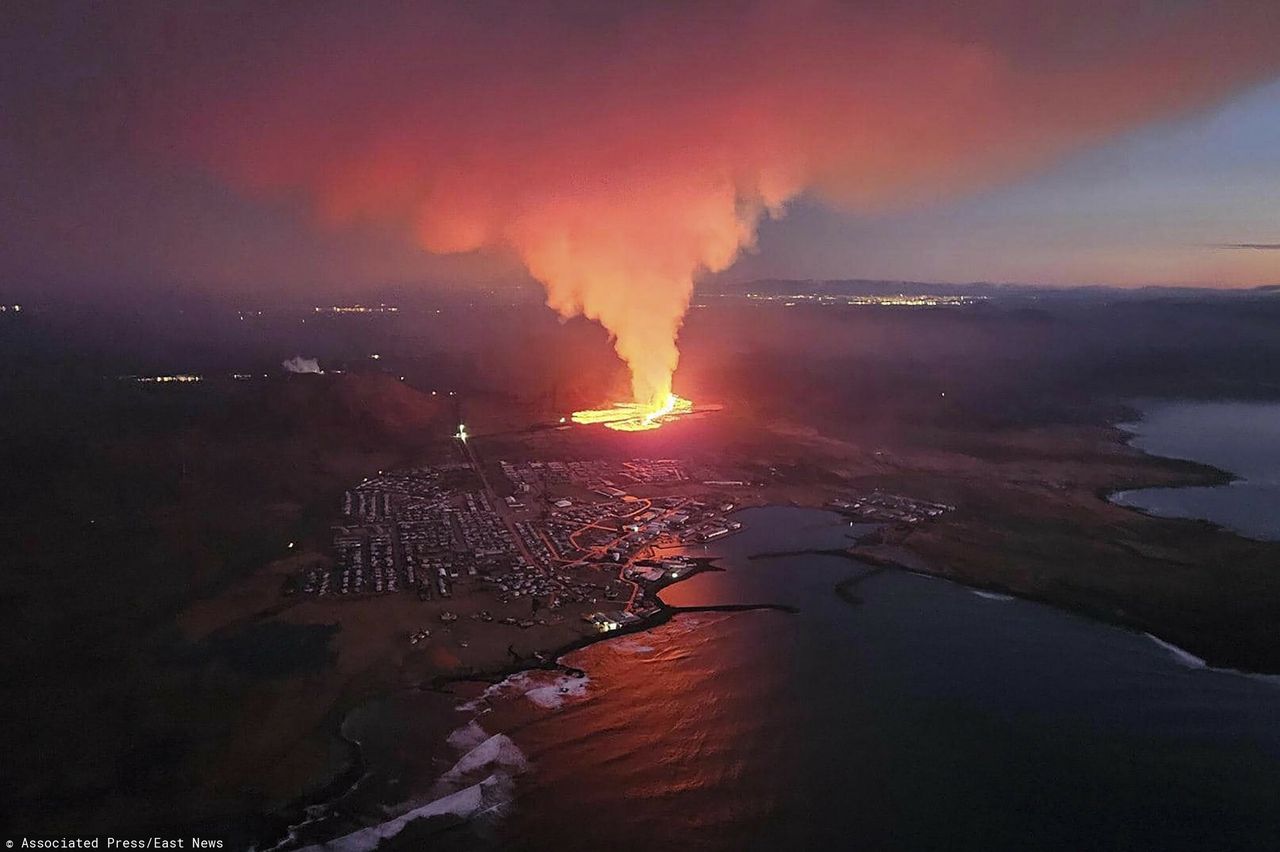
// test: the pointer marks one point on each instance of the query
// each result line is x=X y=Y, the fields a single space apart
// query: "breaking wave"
x=469 y=802
x=468 y=736
x=1182 y=655
x=1191 y=661
x=498 y=753
x=545 y=689
x=495 y=761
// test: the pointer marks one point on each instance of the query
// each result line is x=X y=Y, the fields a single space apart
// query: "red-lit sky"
x=243 y=147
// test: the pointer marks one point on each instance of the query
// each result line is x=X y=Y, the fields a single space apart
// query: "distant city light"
x=357 y=309
x=180 y=377
x=896 y=300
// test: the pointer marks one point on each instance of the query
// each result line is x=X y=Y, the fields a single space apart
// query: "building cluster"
x=879 y=507
x=534 y=544
x=611 y=620
x=481 y=530
x=656 y=570
x=426 y=530
x=410 y=530
x=615 y=529
x=609 y=477
x=553 y=589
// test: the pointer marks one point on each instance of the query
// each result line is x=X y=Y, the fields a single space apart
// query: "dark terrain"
x=126 y=504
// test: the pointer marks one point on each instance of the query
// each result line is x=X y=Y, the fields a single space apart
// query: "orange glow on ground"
x=636 y=416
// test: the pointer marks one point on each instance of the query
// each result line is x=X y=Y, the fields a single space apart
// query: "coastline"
x=883 y=563
x=884 y=557
x=879 y=558
x=1193 y=552
x=897 y=553
x=1212 y=477
x=879 y=563
x=295 y=814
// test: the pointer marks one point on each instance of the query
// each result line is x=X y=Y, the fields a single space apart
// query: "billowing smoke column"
x=622 y=152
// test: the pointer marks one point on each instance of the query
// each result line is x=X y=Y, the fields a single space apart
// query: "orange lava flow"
x=636 y=416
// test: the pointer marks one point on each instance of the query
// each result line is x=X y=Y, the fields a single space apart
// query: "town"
x=554 y=534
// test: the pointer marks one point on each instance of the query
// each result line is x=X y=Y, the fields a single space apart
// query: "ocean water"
x=928 y=716
x=1240 y=437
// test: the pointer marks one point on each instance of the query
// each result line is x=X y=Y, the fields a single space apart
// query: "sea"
x=1242 y=438
x=902 y=713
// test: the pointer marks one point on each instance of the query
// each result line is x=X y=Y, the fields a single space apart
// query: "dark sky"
x=289 y=147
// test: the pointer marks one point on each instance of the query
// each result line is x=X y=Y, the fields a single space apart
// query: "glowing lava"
x=636 y=416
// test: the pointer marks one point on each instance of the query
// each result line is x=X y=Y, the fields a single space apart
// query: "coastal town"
x=882 y=508
x=523 y=544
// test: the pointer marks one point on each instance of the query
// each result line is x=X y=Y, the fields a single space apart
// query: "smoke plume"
x=622 y=152
x=298 y=364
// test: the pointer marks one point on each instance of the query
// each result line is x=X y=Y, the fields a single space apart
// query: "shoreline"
x=881 y=564
x=878 y=564
x=1216 y=477
x=1183 y=473
x=428 y=824
x=1191 y=474
x=342 y=785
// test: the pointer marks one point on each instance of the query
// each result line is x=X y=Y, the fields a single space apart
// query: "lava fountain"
x=636 y=416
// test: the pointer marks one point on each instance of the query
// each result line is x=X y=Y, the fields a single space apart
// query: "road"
x=499 y=506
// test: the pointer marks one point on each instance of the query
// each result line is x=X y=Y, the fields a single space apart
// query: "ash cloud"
x=622 y=151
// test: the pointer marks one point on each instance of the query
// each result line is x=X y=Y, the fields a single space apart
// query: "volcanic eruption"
x=636 y=416
x=620 y=152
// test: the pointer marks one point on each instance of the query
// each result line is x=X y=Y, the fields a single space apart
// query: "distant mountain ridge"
x=872 y=287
